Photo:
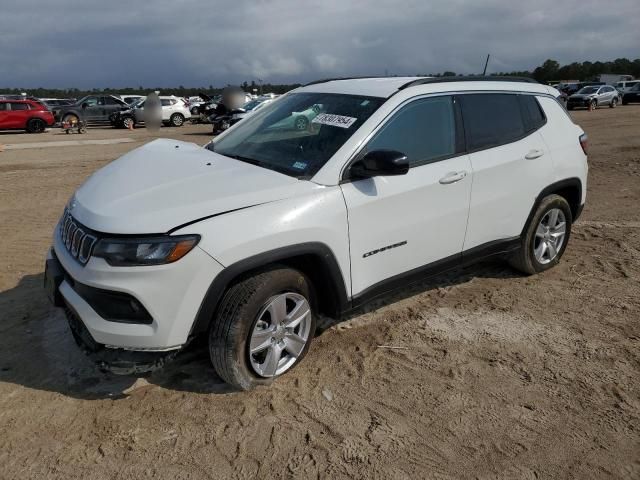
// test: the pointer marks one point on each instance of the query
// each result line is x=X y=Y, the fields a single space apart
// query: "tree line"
x=549 y=71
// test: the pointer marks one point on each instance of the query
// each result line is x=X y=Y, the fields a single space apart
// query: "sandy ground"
x=497 y=375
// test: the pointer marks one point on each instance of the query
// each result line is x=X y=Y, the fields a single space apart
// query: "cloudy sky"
x=117 y=43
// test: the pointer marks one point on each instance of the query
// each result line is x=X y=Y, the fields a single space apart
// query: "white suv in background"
x=252 y=238
x=174 y=111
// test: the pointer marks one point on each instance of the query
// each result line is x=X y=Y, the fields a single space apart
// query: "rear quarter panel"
x=562 y=137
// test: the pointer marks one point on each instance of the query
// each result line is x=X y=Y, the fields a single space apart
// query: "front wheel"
x=593 y=105
x=546 y=237
x=176 y=120
x=263 y=327
x=128 y=123
x=614 y=103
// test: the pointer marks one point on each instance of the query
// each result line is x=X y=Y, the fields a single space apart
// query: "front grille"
x=75 y=238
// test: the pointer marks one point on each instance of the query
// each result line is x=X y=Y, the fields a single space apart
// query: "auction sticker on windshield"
x=334 y=120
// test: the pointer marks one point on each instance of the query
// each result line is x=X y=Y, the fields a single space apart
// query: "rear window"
x=533 y=115
x=491 y=119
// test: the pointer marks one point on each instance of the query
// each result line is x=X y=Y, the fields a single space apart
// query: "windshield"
x=297 y=134
x=588 y=90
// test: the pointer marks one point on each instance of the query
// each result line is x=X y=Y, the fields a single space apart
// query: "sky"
x=117 y=43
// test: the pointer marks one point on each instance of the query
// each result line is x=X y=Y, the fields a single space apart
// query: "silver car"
x=594 y=96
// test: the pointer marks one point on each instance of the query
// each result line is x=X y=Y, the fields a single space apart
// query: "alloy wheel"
x=280 y=334
x=550 y=236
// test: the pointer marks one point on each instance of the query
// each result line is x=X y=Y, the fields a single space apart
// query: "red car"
x=28 y=115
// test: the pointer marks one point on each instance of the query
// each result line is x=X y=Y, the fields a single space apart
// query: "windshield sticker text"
x=334 y=120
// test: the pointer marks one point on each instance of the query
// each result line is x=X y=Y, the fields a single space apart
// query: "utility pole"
x=484 y=72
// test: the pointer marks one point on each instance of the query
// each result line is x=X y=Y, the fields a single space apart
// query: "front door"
x=401 y=223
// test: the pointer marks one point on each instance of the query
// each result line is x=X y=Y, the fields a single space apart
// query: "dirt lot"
x=499 y=375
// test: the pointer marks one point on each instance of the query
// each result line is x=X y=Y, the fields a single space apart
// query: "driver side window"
x=424 y=130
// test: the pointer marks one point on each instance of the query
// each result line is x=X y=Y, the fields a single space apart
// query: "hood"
x=167 y=183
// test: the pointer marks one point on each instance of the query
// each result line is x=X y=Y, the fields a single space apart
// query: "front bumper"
x=171 y=294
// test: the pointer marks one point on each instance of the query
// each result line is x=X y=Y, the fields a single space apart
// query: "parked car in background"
x=223 y=122
x=29 y=115
x=632 y=96
x=125 y=118
x=95 y=109
x=593 y=97
x=174 y=113
x=626 y=85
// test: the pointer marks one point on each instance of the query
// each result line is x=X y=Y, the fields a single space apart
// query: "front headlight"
x=128 y=252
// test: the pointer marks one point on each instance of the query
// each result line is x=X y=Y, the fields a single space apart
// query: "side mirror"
x=380 y=163
x=85 y=105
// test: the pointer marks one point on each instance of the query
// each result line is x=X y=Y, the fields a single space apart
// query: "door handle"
x=453 y=177
x=534 y=154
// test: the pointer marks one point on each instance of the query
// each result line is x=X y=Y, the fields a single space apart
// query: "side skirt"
x=406 y=279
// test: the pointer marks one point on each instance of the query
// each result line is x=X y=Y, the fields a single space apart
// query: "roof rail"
x=315 y=82
x=475 y=78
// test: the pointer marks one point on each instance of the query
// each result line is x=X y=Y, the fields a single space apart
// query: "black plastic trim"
x=406 y=279
x=222 y=281
x=479 y=78
x=572 y=182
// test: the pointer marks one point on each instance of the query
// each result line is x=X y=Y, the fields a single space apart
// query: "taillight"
x=584 y=143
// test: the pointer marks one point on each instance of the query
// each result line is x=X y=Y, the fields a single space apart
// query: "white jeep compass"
x=250 y=239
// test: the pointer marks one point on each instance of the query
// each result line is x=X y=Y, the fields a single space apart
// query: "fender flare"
x=225 y=278
x=573 y=182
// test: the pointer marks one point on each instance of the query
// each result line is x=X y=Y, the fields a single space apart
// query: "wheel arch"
x=314 y=259
x=570 y=189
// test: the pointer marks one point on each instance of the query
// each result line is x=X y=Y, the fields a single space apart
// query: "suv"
x=29 y=115
x=594 y=96
x=268 y=228
x=626 y=85
x=95 y=109
x=174 y=112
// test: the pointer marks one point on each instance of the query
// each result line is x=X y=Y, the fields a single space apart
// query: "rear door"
x=510 y=160
x=401 y=223
x=17 y=115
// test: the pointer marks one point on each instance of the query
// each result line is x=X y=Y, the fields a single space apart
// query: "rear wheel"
x=546 y=237
x=70 y=118
x=263 y=327
x=36 y=125
x=177 y=120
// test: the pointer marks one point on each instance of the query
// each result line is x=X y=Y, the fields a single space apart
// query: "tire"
x=177 y=120
x=243 y=315
x=614 y=103
x=593 y=105
x=526 y=259
x=36 y=125
x=70 y=118
x=301 y=123
x=128 y=122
